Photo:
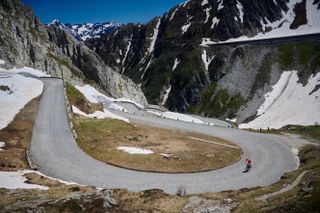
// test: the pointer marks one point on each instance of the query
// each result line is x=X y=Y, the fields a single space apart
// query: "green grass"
x=302 y=51
x=216 y=102
x=309 y=132
x=77 y=99
x=285 y=57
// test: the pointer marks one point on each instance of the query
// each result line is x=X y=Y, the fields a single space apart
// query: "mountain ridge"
x=86 y=31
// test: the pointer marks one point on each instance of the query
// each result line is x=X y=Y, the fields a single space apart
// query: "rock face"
x=86 y=31
x=26 y=42
x=178 y=63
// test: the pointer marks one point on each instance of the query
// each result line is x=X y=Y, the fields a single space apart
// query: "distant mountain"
x=86 y=31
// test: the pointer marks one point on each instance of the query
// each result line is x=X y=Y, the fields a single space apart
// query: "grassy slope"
x=77 y=99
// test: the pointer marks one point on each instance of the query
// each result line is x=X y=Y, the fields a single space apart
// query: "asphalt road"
x=56 y=154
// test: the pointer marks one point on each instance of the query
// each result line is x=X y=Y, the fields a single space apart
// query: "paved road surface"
x=56 y=154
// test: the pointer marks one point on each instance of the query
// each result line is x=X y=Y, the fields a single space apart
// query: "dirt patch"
x=17 y=137
x=185 y=152
x=147 y=201
x=4 y=88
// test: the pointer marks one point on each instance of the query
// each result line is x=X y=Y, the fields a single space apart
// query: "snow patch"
x=220 y=7
x=2 y=144
x=206 y=42
x=135 y=151
x=16 y=180
x=127 y=51
x=22 y=90
x=204 y=3
x=185 y=27
x=99 y=114
x=207 y=10
x=93 y=95
x=206 y=59
x=154 y=37
x=289 y=102
x=176 y=63
x=215 y=22
x=28 y=71
x=166 y=96
x=2 y=62
x=240 y=9
x=173 y=14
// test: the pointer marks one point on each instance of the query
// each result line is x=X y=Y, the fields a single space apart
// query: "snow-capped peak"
x=85 y=31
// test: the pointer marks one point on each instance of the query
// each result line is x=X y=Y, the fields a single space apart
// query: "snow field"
x=289 y=102
x=16 y=180
x=22 y=90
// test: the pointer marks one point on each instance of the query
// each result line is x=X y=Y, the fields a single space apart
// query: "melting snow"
x=207 y=10
x=166 y=96
x=29 y=70
x=147 y=67
x=204 y=2
x=185 y=27
x=93 y=95
x=206 y=59
x=99 y=114
x=2 y=144
x=154 y=36
x=127 y=51
x=215 y=21
x=289 y=103
x=281 y=28
x=16 y=180
x=240 y=9
x=206 y=41
x=173 y=14
x=175 y=65
x=22 y=90
x=220 y=5
x=135 y=151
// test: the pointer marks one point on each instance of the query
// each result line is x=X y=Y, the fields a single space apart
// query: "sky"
x=83 y=11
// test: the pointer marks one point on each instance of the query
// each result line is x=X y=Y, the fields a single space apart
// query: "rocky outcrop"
x=177 y=63
x=96 y=201
x=26 y=42
x=197 y=205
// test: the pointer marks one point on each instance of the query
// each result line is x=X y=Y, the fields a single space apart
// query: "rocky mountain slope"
x=24 y=41
x=183 y=60
x=86 y=31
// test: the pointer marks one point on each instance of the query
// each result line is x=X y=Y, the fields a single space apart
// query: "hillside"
x=176 y=60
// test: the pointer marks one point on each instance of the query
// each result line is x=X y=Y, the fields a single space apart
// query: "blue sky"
x=81 y=11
